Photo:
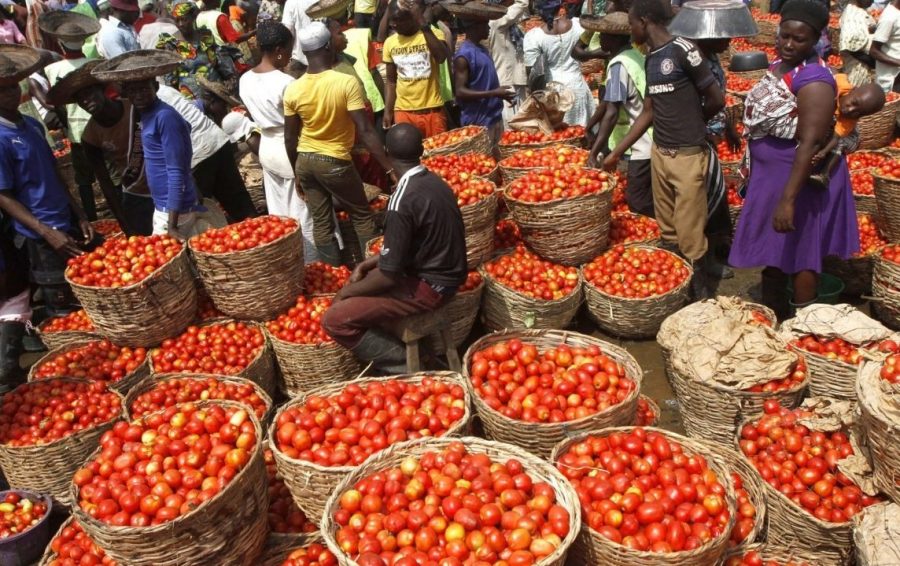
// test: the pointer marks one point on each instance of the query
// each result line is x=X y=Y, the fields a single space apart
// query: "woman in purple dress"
x=787 y=224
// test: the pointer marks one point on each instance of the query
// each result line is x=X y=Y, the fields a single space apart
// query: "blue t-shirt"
x=482 y=76
x=28 y=171
x=166 y=139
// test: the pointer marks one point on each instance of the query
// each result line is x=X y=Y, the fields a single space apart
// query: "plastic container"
x=26 y=548
x=829 y=290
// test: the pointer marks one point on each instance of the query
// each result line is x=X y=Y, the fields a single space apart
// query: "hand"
x=818 y=157
x=339 y=296
x=610 y=162
x=507 y=93
x=87 y=230
x=783 y=221
x=358 y=274
x=388 y=120
x=592 y=161
x=62 y=243
x=173 y=232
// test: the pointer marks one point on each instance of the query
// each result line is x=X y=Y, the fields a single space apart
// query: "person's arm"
x=877 y=53
x=815 y=107
x=292 y=125
x=61 y=242
x=882 y=35
x=175 y=137
x=826 y=149
x=607 y=123
x=641 y=124
x=110 y=192
x=383 y=27
x=390 y=95
x=713 y=100
x=37 y=90
x=376 y=282
x=398 y=233
x=580 y=51
x=438 y=48
x=228 y=33
x=463 y=92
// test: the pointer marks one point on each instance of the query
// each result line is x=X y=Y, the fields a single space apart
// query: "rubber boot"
x=794 y=307
x=701 y=287
x=11 y=373
x=773 y=288
x=387 y=354
x=330 y=253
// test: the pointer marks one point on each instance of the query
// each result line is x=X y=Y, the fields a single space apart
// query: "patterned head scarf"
x=181 y=8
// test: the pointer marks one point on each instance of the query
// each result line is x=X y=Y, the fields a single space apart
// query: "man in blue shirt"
x=119 y=36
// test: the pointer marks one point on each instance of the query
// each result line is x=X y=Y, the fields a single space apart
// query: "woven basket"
x=48 y=468
x=311 y=484
x=734 y=212
x=735 y=112
x=866 y=204
x=540 y=438
x=885 y=285
x=279 y=546
x=654 y=407
x=767 y=31
x=230 y=528
x=508 y=149
x=856 y=273
x=461 y=310
x=593 y=548
x=539 y=470
x=887 y=197
x=54 y=340
x=159 y=378
x=479 y=143
x=750 y=75
x=504 y=308
x=632 y=215
x=799 y=554
x=882 y=435
x=254 y=284
x=877 y=130
x=145 y=313
x=122 y=386
x=569 y=231
x=479 y=219
x=305 y=367
x=635 y=318
x=830 y=378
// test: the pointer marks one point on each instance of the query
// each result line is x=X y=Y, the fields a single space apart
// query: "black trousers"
x=639 y=193
x=218 y=177
x=139 y=212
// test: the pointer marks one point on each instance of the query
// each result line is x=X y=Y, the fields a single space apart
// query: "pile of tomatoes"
x=244 y=235
x=745 y=512
x=641 y=490
x=284 y=515
x=619 y=202
x=506 y=234
x=733 y=196
x=375 y=205
x=75 y=321
x=557 y=385
x=18 y=514
x=313 y=554
x=73 y=547
x=645 y=416
x=473 y=281
x=544 y=185
x=890 y=169
x=736 y=83
x=802 y=464
x=472 y=190
x=170 y=392
x=451 y=137
x=870 y=239
x=862 y=183
x=890 y=370
x=455 y=168
x=347 y=428
x=528 y=274
x=100 y=360
x=321 y=278
x=120 y=262
x=106 y=227
x=161 y=467
x=555 y=156
x=739 y=44
x=302 y=323
x=727 y=155
x=863 y=160
x=832 y=348
x=628 y=228
x=835 y=61
x=224 y=348
x=754 y=558
x=891 y=253
x=515 y=137
x=375 y=245
x=451 y=507
x=636 y=273
x=41 y=412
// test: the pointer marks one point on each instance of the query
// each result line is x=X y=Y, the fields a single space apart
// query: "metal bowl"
x=748 y=61
x=713 y=19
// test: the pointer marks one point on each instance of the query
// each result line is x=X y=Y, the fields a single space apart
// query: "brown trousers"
x=679 y=196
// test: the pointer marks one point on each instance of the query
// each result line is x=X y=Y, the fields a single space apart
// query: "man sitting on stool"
x=422 y=260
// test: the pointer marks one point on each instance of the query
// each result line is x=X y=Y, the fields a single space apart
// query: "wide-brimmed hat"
x=137 y=66
x=19 y=61
x=219 y=90
x=474 y=10
x=68 y=26
x=328 y=8
x=64 y=91
x=125 y=5
x=615 y=23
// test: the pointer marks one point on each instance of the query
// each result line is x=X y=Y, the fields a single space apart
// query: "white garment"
x=149 y=34
x=191 y=223
x=16 y=309
x=855 y=23
x=295 y=19
x=888 y=34
x=186 y=222
x=237 y=126
x=508 y=60
x=263 y=95
x=206 y=137
x=562 y=68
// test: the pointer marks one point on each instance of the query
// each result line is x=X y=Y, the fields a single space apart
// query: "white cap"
x=237 y=126
x=314 y=36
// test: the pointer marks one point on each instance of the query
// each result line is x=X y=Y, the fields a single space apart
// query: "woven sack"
x=830 y=378
x=882 y=433
x=146 y=313
x=230 y=528
x=540 y=438
x=311 y=484
x=639 y=317
x=887 y=197
x=479 y=143
x=479 y=219
x=593 y=548
x=48 y=468
x=504 y=308
x=877 y=130
x=257 y=283
x=461 y=311
x=122 y=386
x=305 y=367
x=539 y=471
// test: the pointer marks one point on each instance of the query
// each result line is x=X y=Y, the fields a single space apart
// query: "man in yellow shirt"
x=323 y=110
x=413 y=57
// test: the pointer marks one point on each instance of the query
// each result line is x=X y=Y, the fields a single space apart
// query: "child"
x=852 y=104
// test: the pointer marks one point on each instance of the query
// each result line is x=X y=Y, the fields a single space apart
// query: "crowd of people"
x=156 y=97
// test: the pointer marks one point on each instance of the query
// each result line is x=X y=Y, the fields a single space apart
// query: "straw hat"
x=474 y=10
x=68 y=26
x=615 y=23
x=19 y=61
x=64 y=91
x=328 y=9
x=219 y=90
x=136 y=66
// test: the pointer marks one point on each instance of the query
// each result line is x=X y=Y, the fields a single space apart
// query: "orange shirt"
x=844 y=126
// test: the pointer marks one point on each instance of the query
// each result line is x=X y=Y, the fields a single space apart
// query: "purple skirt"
x=825 y=221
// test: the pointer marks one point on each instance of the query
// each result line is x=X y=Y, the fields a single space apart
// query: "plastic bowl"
x=26 y=548
x=829 y=290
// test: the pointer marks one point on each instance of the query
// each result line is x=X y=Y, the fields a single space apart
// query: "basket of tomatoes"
x=811 y=503
x=120 y=367
x=552 y=157
x=322 y=436
x=305 y=550
x=887 y=198
x=769 y=554
x=462 y=310
x=478 y=201
x=307 y=356
x=734 y=108
x=459 y=168
x=220 y=348
x=595 y=384
x=856 y=271
x=877 y=130
x=833 y=364
x=886 y=285
x=633 y=228
x=513 y=141
x=468 y=139
x=71 y=546
x=24 y=526
x=563 y=213
x=288 y=525
x=863 y=186
x=137 y=290
x=877 y=388
x=49 y=427
x=648 y=412
x=493 y=524
x=522 y=291
x=630 y=290
x=209 y=508
x=351 y=253
x=621 y=524
x=253 y=269
x=61 y=330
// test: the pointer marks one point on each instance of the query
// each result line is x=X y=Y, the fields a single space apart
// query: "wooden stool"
x=412 y=329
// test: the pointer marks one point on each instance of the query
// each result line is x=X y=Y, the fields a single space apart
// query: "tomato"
x=458 y=169
x=320 y=278
x=567 y=180
x=224 y=348
x=451 y=137
x=19 y=513
x=75 y=321
x=73 y=547
x=627 y=228
x=527 y=274
x=636 y=272
x=523 y=137
x=315 y=554
x=100 y=360
x=169 y=392
x=120 y=262
x=244 y=235
x=506 y=234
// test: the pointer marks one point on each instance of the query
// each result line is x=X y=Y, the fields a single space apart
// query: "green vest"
x=632 y=61
x=358 y=47
x=207 y=19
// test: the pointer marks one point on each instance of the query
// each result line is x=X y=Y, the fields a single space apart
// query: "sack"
x=544 y=110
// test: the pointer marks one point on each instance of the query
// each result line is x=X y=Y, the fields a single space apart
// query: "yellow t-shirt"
x=324 y=102
x=364 y=6
x=418 y=74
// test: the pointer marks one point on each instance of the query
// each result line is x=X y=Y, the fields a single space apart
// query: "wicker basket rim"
x=258 y=325
x=248 y=250
x=537 y=145
x=562 y=200
x=74 y=345
x=577 y=149
x=642 y=245
x=150 y=384
x=137 y=285
x=451 y=146
x=485 y=276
